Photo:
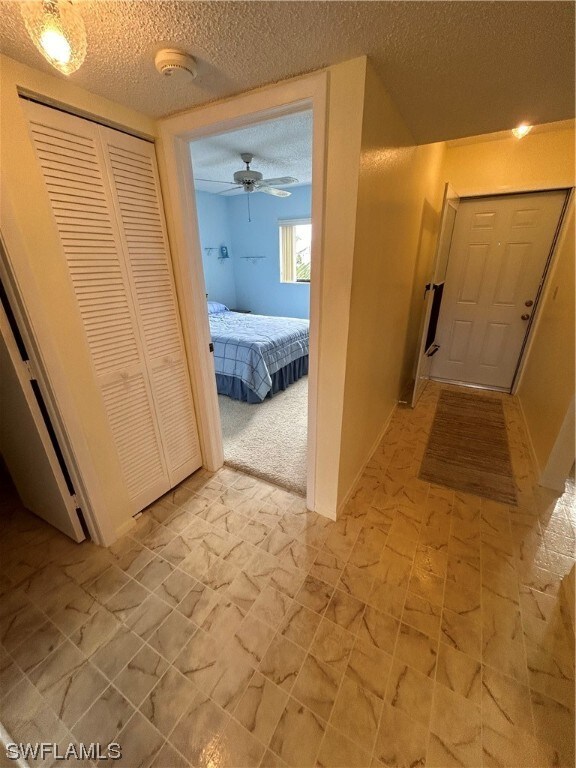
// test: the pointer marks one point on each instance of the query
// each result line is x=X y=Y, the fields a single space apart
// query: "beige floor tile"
x=379 y=628
x=504 y=746
x=95 y=632
x=345 y=610
x=232 y=673
x=260 y=707
x=314 y=594
x=33 y=650
x=197 y=734
x=462 y=632
x=72 y=696
x=401 y=742
x=140 y=742
x=422 y=615
x=298 y=734
x=300 y=625
x=316 y=686
x=113 y=656
x=282 y=661
x=154 y=573
x=141 y=674
x=356 y=714
x=271 y=606
x=237 y=747
x=332 y=645
x=105 y=719
x=168 y=757
x=417 y=649
x=369 y=667
x=197 y=660
x=336 y=751
x=168 y=700
x=459 y=672
x=175 y=587
x=456 y=724
x=554 y=725
x=505 y=701
x=410 y=691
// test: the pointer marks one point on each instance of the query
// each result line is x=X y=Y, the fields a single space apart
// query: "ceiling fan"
x=252 y=181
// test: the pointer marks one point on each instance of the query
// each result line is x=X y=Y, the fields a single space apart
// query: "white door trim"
x=179 y=199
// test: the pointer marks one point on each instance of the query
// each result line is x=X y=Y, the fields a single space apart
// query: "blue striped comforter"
x=253 y=347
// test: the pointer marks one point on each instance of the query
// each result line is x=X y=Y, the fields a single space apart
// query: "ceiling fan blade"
x=230 y=189
x=272 y=191
x=281 y=180
x=212 y=181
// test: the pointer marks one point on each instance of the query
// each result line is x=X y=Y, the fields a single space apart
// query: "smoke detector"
x=170 y=61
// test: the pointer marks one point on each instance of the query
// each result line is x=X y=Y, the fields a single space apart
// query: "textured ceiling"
x=281 y=147
x=453 y=68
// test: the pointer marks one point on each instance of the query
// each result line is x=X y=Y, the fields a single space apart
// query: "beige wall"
x=543 y=159
x=41 y=274
x=396 y=217
x=498 y=162
x=343 y=141
x=547 y=386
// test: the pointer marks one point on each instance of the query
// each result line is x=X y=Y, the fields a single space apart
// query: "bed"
x=256 y=356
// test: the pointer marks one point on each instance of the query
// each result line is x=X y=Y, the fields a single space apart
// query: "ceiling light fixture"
x=521 y=130
x=57 y=30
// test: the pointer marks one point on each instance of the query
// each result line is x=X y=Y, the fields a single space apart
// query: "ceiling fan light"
x=57 y=30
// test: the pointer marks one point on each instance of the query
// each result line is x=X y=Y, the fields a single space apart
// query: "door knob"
x=525 y=316
x=528 y=303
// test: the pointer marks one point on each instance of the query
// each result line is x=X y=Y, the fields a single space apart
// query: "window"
x=295 y=248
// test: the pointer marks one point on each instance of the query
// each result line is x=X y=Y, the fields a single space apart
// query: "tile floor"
x=233 y=628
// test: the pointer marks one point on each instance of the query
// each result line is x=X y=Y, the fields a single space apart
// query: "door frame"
x=534 y=320
x=176 y=173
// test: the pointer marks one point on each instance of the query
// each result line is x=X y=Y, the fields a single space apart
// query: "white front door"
x=498 y=256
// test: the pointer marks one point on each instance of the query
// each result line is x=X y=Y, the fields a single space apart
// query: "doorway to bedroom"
x=253 y=193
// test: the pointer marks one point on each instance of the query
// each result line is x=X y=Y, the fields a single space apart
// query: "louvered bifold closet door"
x=133 y=170
x=72 y=161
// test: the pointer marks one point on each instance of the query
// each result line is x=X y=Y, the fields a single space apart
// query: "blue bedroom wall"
x=214 y=232
x=258 y=286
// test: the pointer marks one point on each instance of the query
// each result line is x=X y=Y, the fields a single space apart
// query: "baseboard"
x=123 y=529
x=567 y=598
x=530 y=443
x=360 y=472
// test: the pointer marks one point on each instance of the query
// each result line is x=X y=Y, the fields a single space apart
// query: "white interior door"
x=26 y=446
x=105 y=196
x=433 y=291
x=498 y=256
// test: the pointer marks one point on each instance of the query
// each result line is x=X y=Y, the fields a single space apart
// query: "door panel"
x=71 y=159
x=498 y=255
x=131 y=165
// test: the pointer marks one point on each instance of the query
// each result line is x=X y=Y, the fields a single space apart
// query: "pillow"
x=214 y=307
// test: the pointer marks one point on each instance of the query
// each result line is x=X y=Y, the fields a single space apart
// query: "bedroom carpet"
x=468 y=447
x=269 y=440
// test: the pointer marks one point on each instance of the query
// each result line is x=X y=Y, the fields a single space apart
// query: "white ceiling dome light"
x=57 y=30
x=170 y=61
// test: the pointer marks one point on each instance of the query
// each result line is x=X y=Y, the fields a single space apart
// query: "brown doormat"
x=468 y=447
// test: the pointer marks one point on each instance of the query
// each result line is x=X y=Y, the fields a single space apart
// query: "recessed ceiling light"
x=521 y=130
